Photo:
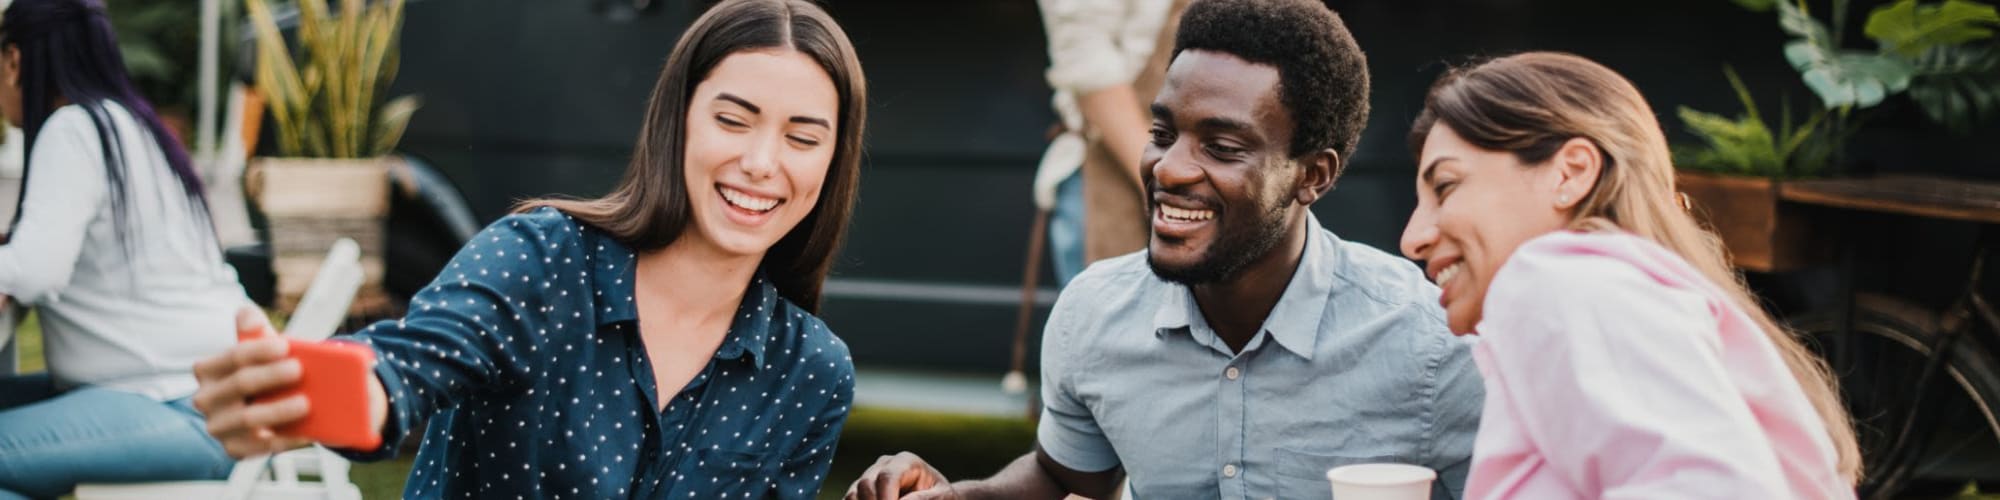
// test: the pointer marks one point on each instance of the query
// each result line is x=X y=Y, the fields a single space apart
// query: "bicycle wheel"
x=1878 y=366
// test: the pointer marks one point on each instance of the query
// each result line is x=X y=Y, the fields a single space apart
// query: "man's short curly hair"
x=1322 y=74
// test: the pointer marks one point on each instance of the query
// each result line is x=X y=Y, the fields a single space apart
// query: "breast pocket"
x=723 y=473
x=1302 y=474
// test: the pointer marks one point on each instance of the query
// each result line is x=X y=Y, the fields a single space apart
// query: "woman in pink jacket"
x=1623 y=357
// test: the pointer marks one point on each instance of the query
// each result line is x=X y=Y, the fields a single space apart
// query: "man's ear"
x=1317 y=172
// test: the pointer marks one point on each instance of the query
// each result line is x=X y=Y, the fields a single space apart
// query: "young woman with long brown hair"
x=658 y=342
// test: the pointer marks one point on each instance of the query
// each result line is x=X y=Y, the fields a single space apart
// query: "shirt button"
x=1229 y=470
x=1232 y=373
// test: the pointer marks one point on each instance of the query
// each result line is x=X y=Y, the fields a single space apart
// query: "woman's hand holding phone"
x=259 y=398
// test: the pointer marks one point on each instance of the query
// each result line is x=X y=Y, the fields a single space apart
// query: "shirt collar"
x=1177 y=310
x=1294 y=322
x=752 y=330
x=614 y=267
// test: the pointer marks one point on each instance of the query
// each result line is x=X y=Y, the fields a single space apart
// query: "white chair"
x=276 y=476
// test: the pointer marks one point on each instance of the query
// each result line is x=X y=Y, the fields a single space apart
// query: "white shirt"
x=130 y=312
x=1092 y=44
x=11 y=158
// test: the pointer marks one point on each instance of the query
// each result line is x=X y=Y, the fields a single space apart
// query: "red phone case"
x=334 y=376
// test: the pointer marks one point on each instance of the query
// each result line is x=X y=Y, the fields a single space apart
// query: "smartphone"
x=334 y=375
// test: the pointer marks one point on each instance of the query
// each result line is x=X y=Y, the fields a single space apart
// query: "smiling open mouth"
x=1177 y=214
x=1445 y=276
x=746 y=201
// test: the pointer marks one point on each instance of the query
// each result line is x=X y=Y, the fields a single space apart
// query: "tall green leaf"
x=1741 y=146
x=1793 y=19
x=312 y=20
x=1910 y=29
x=1746 y=145
x=1958 y=86
x=391 y=121
x=328 y=105
x=144 y=60
x=1742 y=93
x=279 y=80
x=1795 y=138
x=1843 y=78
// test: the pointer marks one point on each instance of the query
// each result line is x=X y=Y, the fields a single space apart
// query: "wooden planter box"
x=1762 y=234
x=312 y=202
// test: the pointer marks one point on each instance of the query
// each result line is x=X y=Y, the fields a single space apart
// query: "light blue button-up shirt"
x=1354 y=365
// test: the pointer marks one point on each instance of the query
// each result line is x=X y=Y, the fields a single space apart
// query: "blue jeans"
x=50 y=441
x=1066 y=229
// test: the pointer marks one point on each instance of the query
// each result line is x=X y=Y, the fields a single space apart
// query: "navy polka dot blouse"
x=524 y=356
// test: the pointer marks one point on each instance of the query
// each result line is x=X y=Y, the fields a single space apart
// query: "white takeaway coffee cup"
x=1381 y=482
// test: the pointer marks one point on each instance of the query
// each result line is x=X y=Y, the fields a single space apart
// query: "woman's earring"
x=1562 y=199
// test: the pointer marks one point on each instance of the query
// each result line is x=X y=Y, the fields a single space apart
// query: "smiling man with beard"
x=1248 y=350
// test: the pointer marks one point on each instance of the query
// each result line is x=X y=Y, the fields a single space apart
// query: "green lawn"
x=381 y=479
x=30 y=338
x=959 y=445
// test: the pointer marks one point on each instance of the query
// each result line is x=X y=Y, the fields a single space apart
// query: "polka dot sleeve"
x=475 y=328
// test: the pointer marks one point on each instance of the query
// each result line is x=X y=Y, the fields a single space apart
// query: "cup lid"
x=1382 y=474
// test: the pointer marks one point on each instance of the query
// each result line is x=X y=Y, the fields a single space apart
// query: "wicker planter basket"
x=310 y=203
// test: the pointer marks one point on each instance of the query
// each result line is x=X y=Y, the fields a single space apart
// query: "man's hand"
x=902 y=476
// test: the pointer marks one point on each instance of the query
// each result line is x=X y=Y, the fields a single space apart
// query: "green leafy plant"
x=1938 y=54
x=1843 y=78
x=1908 y=28
x=329 y=104
x=1958 y=86
x=1933 y=51
x=1747 y=145
x=146 y=38
x=161 y=45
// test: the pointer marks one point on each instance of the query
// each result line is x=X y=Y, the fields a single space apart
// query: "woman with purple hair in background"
x=113 y=248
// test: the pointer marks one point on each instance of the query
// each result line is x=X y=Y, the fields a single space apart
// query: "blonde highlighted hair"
x=1531 y=104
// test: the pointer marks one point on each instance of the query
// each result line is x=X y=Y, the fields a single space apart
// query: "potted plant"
x=1732 y=178
x=334 y=132
x=1939 y=55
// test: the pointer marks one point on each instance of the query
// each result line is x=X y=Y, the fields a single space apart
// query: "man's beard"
x=1234 y=248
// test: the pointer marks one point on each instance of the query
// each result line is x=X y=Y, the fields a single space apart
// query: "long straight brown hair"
x=1530 y=104
x=649 y=208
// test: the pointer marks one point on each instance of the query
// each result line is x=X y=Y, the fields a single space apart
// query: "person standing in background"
x=1104 y=69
